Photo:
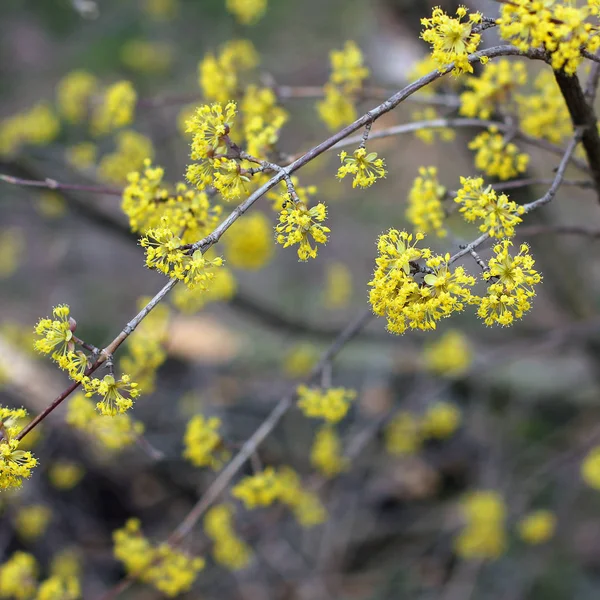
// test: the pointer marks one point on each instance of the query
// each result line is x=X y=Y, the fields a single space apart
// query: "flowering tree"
x=241 y=201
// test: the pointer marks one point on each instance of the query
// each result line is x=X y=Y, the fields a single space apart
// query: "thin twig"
x=52 y=184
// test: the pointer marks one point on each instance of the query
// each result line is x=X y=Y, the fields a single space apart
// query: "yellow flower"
x=37 y=126
x=209 y=125
x=512 y=281
x=590 y=468
x=82 y=156
x=222 y=288
x=440 y=420
x=366 y=168
x=537 y=527
x=249 y=243
x=261 y=489
x=65 y=474
x=146 y=56
x=12 y=248
x=405 y=301
x=338 y=286
x=300 y=360
x=496 y=158
x=203 y=444
x=228 y=549
x=544 y=113
x=451 y=39
x=18 y=577
x=336 y=109
x=73 y=94
x=117 y=394
x=492 y=89
x=168 y=569
x=56 y=334
x=499 y=214
x=425 y=210
x=229 y=179
x=330 y=404
x=32 y=521
x=132 y=150
x=347 y=69
x=297 y=223
x=326 y=453
x=450 y=355
x=403 y=435
x=247 y=12
x=116 y=110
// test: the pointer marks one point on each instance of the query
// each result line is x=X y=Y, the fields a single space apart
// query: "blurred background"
x=526 y=396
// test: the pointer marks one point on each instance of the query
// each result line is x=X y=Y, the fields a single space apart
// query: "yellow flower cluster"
x=18 y=576
x=425 y=210
x=166 y=253
x=55 y=588
x=147 y=56
x=37 y=126
x=149 y=203
x=203 y=443
x=498 y=214
x=484 y=536
x=451 y=355
x=12 y=249
x=116 y=110
x=495 y=157
x=537 y=527
x=511 y=285
x=452 y=39
x=56 y=334
x=15 y=464
x=297 y=222
x=338 y=286
x=411 y=294
x=248 y=244
x=330 y=404
x=146 y=347
x=558 y=27
x=117 y=394
x=326 y=452
x=262 y=120
x=406 y=432
x=300 y=360
x=65 y=474
x=114 y=433
x=492 y=89
x=210 y=126
x=366 y=168
x=82 y=156
x=269 y=486
x=32 y=521
x=219 y=75
x=73 y=94
x=228 y=549
x=247 y=12
x=347 y=75
x=590 y=468
x=544 y=113
x=167 y=569
x=132 y=150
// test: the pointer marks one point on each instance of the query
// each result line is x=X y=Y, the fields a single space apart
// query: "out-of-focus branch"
x=559 y=230
x=52 y=184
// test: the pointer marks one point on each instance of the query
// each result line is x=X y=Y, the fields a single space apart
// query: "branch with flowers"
x=235 y=158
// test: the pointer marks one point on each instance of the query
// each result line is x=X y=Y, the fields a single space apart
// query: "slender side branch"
x=52 y=184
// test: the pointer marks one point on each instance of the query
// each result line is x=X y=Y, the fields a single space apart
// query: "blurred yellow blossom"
x=425 y=210
x=247 y=12
x=338 y=286
x=203 y=443
x=300 y=359
x=18 y=576
x=147 y=56
x=116 y=109
x=403 y=435
x=51 y=204
x=440 y=420
x=497 y=158
x=12 y=248
x=32 y=521
x=537 y=527
x=248 y=244
x=65 y=474
x=73 y=94
x=326 y=453
x=330 y=404
x=450 y=355
x=132 y=150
